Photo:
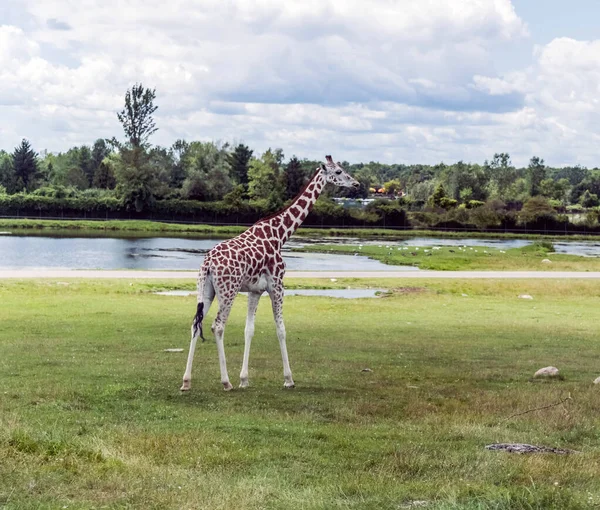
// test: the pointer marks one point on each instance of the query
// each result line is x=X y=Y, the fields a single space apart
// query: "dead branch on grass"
x=568 y=397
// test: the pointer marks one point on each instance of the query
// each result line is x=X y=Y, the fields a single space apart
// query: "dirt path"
x=163 y=275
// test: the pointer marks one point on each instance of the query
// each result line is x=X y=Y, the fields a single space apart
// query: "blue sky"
x=399 y=81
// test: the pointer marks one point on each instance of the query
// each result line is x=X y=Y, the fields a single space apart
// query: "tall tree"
x=137 y=183
x=104 y=176
x=500 y=174
x=99 y=151
x=25 y=166
x=207 y=170
x=263 y=175
x=536 y=173
x=86 y=164
x=178 y=172
x=7 y=174
x=239 y=160
x=294 y=178
x=136 y=118
x=461 y=176
x=76 y=177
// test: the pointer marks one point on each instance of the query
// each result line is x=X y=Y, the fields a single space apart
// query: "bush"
x=588 y=199
x=486 y=217
x=473 y=204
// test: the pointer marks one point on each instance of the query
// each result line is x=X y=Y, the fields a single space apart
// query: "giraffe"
x=252 y=263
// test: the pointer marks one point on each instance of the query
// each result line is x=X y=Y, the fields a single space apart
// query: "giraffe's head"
x=335 y=174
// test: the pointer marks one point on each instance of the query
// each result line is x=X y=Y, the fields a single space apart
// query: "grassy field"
x=477 y=258
x=91 y=415
x=142 y=227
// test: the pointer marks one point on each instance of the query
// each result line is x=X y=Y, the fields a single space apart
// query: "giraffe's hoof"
x=227 y=386
x=289 y=385
x=243 y=383
x=186 y=386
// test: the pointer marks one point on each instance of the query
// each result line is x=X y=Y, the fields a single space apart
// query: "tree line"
x=133 y=176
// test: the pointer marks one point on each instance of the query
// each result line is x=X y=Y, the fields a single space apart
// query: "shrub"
x=473 y=204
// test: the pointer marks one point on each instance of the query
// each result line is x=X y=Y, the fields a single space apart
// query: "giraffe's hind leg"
x=253 y=298
x=218 y=328
x=207 y=299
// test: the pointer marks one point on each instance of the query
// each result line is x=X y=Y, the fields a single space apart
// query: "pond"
x=151 y=253
x=186 y=253
x=580 y=248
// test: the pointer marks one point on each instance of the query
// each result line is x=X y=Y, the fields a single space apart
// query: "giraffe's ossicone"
x=252 y=263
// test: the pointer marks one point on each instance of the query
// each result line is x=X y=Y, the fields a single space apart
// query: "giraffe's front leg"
x=253 y=298
x=277 y=302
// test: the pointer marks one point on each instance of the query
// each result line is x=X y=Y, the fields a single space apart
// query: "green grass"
x=115 y=226
x=147 y=227
x=477 y=258
x=91 y=416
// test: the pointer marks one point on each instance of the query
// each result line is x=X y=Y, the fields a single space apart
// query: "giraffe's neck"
x=284 y=224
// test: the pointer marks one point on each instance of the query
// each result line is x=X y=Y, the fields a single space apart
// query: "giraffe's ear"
x=323 y=167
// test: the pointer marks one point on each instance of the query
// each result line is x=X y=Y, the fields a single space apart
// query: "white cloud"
x=393 y=80
x=562 y=101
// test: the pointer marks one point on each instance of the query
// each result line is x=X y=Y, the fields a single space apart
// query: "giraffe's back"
x=246 y=257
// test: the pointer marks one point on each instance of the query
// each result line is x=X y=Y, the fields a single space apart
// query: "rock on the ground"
x=366 y=370
x=597 y=380
x=546 y=261
x=546 y=372
x=525 y=296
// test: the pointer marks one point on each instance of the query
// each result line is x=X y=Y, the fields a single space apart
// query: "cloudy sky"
x=384 y=80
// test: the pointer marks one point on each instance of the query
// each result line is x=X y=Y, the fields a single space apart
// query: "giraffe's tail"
x=197 y=323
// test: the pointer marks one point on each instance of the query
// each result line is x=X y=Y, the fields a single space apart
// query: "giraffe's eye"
x=338 y=172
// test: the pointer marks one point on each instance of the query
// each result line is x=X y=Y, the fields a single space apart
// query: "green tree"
x=137 y=115
x=161 y=161
x=7 y=174
x=466 y=195
x=294 y=178
x=420 y=192
x=25 y=166
x=574 y=174
x=535 y=174
x=547 y=188
x=462 y=176
x=136 y=183
x=500 y=175
x=104 y=176
x=86 y=163
x=76 y=178
x=535 y=208
x=439 y=195
x=235 y=198
x=207 y=171
x=178 y=171
x=239 y=160
x=392 y=187
x=263 y=176
x=589 y=199
x=100 y=150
